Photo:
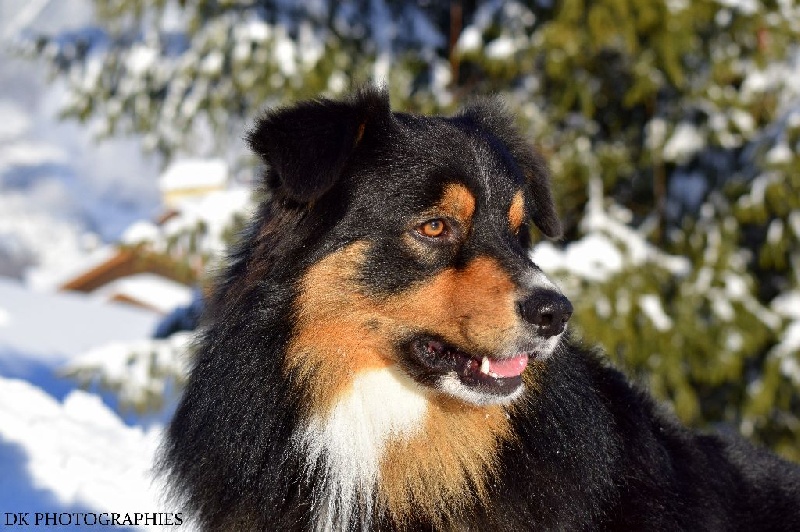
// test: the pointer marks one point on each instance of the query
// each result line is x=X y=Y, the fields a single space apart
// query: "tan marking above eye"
x=516 y=213
x=458 y=203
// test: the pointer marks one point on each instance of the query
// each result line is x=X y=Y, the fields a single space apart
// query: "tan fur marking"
x=447 y=465
x=459 y=203
x=473 y=308
x=516 y=213
x=333 y=339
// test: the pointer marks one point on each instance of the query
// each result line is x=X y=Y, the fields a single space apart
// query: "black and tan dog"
x=382 y=354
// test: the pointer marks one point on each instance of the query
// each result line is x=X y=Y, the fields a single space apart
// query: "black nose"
x=548 y=310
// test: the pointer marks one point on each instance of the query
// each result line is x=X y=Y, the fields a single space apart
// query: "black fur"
x=589 y=451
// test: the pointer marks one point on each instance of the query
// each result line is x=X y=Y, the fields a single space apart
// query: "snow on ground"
x=44 y=330
x=71 y=456
x=62 y=196
x=139 y=372
x=63 y=199
x=63 y=449
x=48 y=277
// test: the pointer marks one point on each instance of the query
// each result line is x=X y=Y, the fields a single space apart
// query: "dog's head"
x=412 y=250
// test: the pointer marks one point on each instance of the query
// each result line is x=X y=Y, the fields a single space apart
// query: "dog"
x=381 y=353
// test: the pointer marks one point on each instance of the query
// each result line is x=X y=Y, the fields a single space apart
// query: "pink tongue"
x=509 y=367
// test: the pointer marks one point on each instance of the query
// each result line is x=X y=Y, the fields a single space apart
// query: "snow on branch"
x=140 y=373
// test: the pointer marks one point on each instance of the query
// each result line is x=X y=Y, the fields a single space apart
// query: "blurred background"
x=672 y=129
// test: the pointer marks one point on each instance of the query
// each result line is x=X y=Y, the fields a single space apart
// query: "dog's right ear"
x=307 y=146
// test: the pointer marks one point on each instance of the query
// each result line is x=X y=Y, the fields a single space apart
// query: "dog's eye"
x=433 y=228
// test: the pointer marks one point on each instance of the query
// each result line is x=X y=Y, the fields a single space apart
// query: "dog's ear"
x=307 y=146
x=491 y=115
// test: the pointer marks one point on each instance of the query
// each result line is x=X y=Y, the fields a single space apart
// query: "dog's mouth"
x=484 y=374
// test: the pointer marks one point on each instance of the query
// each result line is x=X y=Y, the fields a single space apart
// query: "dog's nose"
x=548 y=310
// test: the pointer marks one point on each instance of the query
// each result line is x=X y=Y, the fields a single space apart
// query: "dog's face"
x=414 y=247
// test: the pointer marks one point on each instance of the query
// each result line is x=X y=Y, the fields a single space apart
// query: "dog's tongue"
x=508 y=367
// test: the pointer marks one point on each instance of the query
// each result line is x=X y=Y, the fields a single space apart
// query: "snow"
x=744 y=121
x=63 y=449
x=748 y=7
x=255 y=30
x=212 y=63
x=140 y=231
x=685 y=142
x=758 y=189
x=194 y=173
x=27 y=153
x=136 y=370
x=60 y=192
x=781 y=153
x=787 y=305
x=15 y=122
x=500 y=48
x=470 y=40
x=150 y=290
x=594 y=258
x=655 y=133
x=608 y=246
x=285 y=53
x=48 y=279
x=141 y=58
x=312 y=47
x=651 y=306
x=30 y=234
x=74 y=455
x=73 y=323
x=64 y=199
x=215 y=211
x=676 y=6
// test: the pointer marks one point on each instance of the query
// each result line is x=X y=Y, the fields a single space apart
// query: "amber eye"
x=432 y=228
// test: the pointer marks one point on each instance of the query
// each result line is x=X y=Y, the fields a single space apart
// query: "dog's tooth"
x=485 y=365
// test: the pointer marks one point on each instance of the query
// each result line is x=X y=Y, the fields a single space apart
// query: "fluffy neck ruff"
x=386 y=449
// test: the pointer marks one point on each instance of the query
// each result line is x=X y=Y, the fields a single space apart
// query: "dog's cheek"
x=337 y=335
x=397 y=264
x=473 y=307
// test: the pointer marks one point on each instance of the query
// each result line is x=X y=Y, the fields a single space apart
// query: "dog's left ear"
x=492 y=116
x=307 y=146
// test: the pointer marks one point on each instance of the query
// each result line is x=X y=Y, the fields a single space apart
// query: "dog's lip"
x=497 y=375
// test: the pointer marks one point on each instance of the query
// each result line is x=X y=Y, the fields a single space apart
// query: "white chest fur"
x=347 y=443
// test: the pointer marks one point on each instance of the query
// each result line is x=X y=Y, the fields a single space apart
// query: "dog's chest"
x=346 y=445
